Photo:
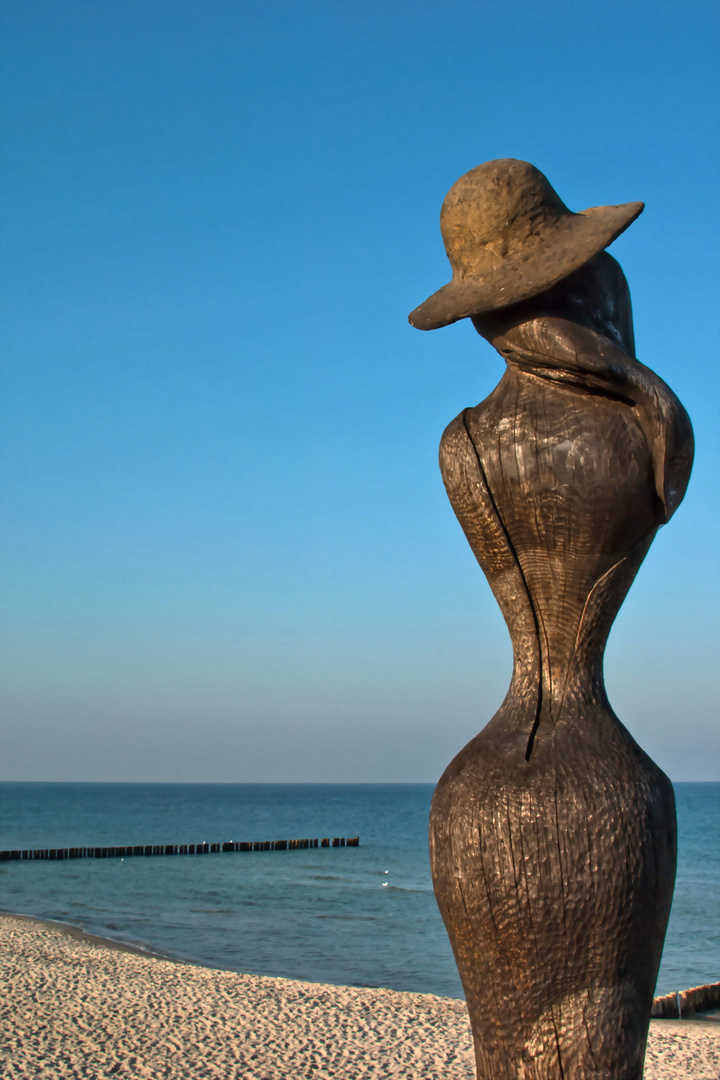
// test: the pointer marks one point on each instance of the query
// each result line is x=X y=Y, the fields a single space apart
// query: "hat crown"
x=495 y=210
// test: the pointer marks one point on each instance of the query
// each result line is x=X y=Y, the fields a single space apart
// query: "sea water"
x=361 y=916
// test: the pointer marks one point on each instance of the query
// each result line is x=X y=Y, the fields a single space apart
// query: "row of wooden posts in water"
x=684 y=1004
x=177 y=849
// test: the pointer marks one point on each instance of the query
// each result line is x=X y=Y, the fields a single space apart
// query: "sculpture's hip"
x=554 y=877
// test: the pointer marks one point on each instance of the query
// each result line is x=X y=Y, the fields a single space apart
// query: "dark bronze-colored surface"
x=552 y=834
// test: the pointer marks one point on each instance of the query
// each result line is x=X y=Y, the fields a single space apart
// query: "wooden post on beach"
x=687 y=1003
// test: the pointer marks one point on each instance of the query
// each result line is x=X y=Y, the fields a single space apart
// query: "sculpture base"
x=554 y=877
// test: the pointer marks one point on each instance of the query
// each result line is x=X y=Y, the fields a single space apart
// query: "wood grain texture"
x=552 y=834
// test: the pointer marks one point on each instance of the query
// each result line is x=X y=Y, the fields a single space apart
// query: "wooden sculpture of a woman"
x=552 y=834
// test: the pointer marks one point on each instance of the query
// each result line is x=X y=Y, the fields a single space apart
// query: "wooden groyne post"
x=176 y=849
x=684 y=1004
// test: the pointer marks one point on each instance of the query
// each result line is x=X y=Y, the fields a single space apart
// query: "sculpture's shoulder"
x=462 y=433
x=455 y=434
x=460 y=454
x=669 y=433
x=678 y=447
x=455 y=446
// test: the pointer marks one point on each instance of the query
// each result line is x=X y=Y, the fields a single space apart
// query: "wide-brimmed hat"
x=509 y=236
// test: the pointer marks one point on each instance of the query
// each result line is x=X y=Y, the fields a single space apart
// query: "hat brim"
x=571 y=242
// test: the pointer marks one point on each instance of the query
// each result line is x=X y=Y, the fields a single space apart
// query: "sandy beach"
x=75 y=1007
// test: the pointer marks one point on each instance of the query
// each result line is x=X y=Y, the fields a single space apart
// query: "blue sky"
x=226 y=549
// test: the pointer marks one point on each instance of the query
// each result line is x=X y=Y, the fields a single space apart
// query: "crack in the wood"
x=506 y=534
x=557 y=1044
